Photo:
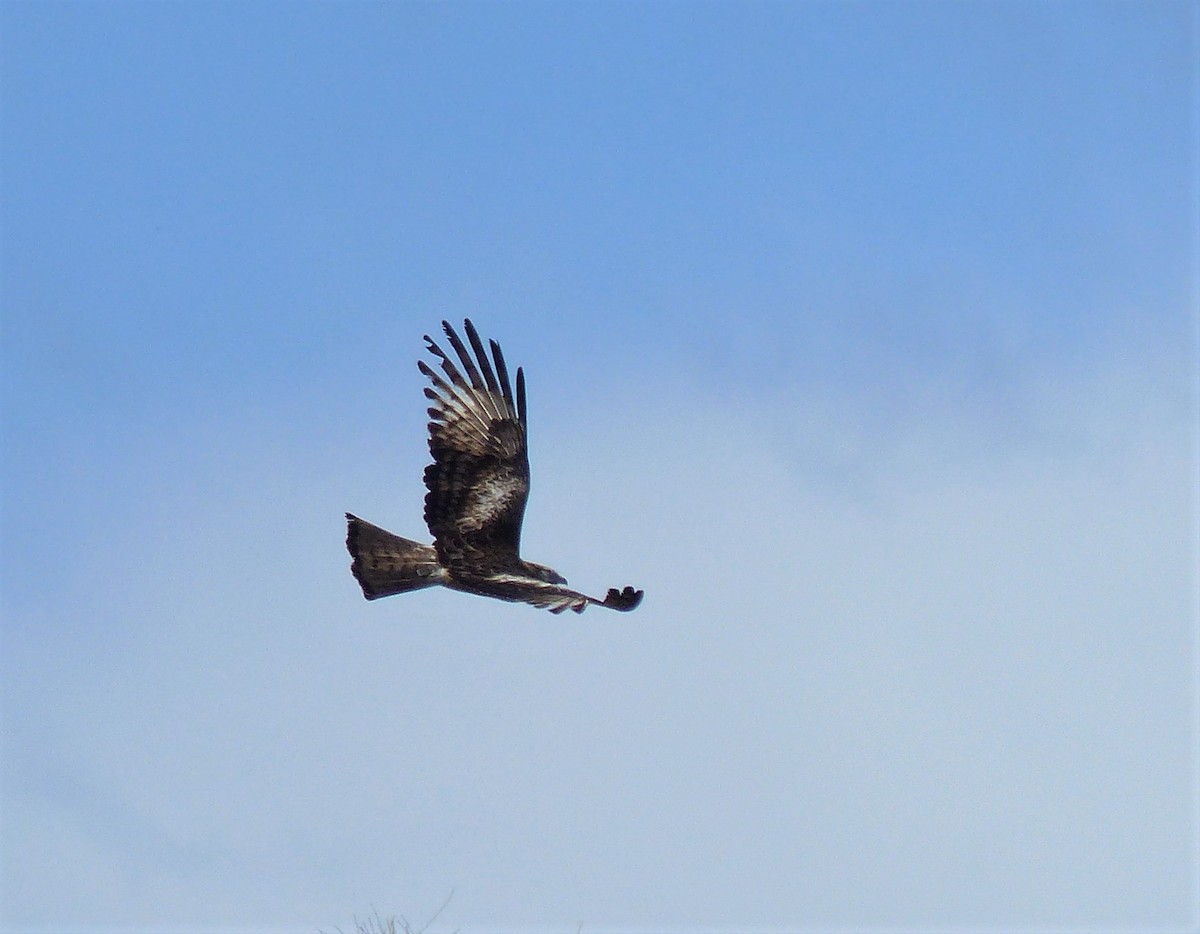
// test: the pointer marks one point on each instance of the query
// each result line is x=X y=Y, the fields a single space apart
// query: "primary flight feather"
x=477 y=487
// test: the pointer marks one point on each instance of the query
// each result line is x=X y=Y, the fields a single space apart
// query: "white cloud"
x=951 y=690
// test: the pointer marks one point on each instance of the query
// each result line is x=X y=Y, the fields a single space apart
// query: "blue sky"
x=862 y=336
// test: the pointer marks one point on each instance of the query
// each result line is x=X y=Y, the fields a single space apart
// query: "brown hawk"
x=478 y=484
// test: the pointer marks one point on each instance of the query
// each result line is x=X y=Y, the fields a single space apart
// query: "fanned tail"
x=386 y=564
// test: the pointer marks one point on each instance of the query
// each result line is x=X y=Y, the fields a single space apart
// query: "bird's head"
x=543 y=573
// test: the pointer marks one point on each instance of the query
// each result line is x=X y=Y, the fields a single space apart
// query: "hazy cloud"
x=953 y=691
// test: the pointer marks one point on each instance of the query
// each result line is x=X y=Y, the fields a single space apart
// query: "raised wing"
x=479 y=479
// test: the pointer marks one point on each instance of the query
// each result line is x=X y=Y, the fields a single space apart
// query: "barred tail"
x=385 y=564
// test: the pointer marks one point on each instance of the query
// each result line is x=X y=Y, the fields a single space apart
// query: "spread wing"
x=556 y=598
x=479 y=479
x=523 y=588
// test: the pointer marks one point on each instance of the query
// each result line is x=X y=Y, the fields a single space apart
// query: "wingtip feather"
x=623 y=600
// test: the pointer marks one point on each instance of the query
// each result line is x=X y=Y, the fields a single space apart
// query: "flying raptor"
x=477 y=487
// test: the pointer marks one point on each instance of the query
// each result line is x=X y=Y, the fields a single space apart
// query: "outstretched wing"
x=556 y=599
x=479 y=479
x=520 y=588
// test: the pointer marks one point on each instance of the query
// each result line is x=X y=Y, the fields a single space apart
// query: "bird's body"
x=477 y=486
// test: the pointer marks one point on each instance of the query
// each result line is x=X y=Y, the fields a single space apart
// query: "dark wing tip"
x=623 y=600
x=453 y=334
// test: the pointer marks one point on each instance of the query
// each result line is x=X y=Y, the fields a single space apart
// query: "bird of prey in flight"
x=477 y=487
